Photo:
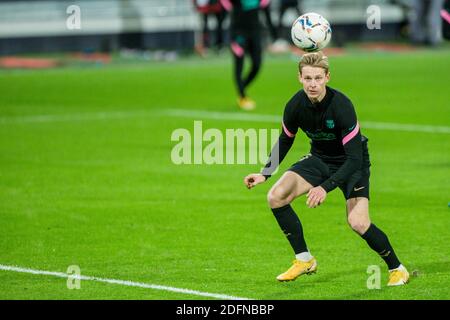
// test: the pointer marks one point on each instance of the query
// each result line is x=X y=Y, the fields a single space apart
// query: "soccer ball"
x=311 y=32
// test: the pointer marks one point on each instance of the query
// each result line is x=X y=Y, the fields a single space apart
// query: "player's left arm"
x=347 y=121
x=227 y=4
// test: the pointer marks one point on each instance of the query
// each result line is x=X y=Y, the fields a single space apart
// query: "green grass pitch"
x=77 y=188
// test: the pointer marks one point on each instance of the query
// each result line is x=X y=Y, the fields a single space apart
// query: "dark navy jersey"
x=333 y=130
x=244 y=14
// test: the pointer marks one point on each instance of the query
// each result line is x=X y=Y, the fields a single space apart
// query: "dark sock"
x=291 y=226
x=379 y=242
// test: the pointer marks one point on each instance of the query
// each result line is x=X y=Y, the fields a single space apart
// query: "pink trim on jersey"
x=264 y=3
x=226 y=4
x=237 y=49
x=445 y=15
x=288 y=133
x=351 y=135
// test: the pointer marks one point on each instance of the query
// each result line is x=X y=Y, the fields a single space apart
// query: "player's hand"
x=253 y=179
x=316 y=196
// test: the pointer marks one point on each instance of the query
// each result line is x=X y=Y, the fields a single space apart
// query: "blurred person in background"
x=281 y=44
x=208 y=8
x=405 y=7
x=272 y=30
x=284 y=6
x=426 y=22
x=245 y=38
x=445 y=14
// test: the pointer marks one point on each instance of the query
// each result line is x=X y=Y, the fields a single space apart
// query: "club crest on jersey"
x=330 y=124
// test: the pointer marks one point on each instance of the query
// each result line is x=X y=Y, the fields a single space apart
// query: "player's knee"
x=358 y=225
x=256 y=66
x=277 y=197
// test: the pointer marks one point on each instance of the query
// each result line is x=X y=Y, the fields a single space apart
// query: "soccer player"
x=338 y=158
x=208 y=8
x=245 y=30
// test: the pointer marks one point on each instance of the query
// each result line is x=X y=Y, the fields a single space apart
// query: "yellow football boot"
x=298 y=268
x=398 y=277
x=246 y=103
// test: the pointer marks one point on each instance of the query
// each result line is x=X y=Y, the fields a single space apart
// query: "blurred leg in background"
x=284 y=6
x=255 y=52
x=206 y=9
x=283 y=36
x=426 y=22
x=435 y=22
x=220 y=17
x=405 y=7
x=272 y=30
x=243 y=44
x=205 y=31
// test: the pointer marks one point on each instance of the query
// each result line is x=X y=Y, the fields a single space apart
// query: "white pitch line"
x=122 y=282
x=88 y=116
x=253 y=117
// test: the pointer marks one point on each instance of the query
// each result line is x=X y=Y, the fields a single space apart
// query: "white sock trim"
x=304 y=256
x=400 y=267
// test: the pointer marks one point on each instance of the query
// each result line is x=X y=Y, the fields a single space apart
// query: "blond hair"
x=314 y=59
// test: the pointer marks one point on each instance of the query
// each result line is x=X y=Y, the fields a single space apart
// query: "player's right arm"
x=281 y=147
x=253 y=179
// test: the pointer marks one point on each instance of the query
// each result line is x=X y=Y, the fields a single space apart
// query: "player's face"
x=314 y=80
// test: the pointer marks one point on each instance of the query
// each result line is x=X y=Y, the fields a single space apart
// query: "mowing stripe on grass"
x=88 y=116
x=253 y=117
x=122 y=282
x=203 y=114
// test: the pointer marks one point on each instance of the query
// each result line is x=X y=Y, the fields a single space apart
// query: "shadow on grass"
x=340 y=286
x=420 y=269
x=316 y=286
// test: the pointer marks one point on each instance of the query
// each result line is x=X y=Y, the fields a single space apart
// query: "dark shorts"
x=316 y=171
x=245 y=42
